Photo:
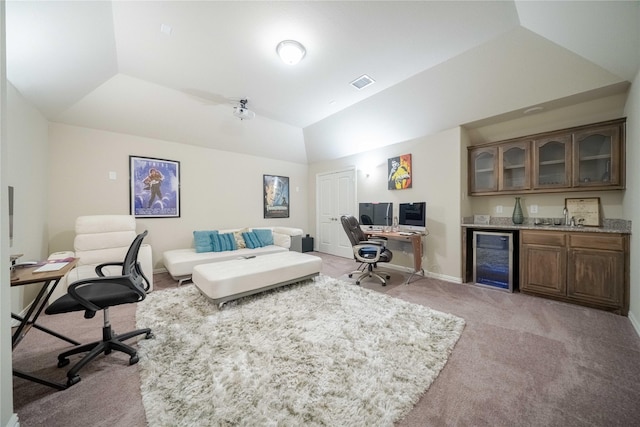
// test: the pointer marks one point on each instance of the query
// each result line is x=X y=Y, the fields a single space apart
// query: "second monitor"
x=413 y=216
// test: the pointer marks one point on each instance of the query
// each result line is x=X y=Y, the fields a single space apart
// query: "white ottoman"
x=227 y=280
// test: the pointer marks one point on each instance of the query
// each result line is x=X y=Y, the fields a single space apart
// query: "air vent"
x=362 y=82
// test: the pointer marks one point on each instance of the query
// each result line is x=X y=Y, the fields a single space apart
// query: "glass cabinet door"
x=552 y=162
x=514 y=166
x=484 y=173
x=596 y=154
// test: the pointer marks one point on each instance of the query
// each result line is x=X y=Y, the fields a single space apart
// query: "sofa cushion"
x=202 y=240
x=251 y=240
x=237 y=235
x=265 y=236
x=223 y=242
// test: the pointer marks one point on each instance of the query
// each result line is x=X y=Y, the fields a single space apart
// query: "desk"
x=24 y=276
x=416 y=243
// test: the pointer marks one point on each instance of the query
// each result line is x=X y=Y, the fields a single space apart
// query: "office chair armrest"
x=359 y=257
x=99 y=267
x=100 y=273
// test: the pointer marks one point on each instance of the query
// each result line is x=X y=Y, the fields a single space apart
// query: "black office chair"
x=100 y=293
x=368 y=252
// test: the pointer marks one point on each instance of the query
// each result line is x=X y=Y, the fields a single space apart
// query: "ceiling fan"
x=240 y=109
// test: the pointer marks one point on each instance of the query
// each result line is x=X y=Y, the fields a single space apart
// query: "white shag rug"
x=322 y=352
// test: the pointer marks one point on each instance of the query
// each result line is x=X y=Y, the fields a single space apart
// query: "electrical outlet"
x=499 y=209
x=533 y=209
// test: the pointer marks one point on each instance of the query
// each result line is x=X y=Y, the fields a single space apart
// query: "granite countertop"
x=505 y=223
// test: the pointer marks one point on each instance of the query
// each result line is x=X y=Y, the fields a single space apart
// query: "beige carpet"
x=521 y=361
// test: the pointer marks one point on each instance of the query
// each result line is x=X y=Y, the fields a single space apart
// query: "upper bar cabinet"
x=583 y=158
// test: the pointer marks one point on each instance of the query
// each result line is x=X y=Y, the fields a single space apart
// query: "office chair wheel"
x=63 y=362
x=134 y=359
x=73 y=380
x=357 y=282
x=350 y=276
x=149 y=335
x=388 y=277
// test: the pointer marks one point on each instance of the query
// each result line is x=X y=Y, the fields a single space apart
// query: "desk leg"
x=30 y=319
x=18 y=335
x=38 y=380
x=47 y=330
x=416 y=243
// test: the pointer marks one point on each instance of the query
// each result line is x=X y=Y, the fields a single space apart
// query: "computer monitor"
x=375 y=215
x=413 y=216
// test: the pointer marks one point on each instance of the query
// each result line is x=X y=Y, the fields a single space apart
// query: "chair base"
x=370 y=273
x=108 y=343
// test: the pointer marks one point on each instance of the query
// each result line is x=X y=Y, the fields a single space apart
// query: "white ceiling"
x=437 y=65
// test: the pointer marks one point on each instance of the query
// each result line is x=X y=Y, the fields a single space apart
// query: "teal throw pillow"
x=225 y=242
x=202 y=240
x=264 y=235
x=251 y=240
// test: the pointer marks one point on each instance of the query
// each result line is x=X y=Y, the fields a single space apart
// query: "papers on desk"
x=53 y=265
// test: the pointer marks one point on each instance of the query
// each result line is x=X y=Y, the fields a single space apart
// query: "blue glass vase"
x=517 y=217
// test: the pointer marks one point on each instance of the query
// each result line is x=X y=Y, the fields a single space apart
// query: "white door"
x=336 y=197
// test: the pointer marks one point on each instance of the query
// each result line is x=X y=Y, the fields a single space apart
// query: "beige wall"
x=631 y=201
x=218 y=189
x=436 y=180
x=27 y=172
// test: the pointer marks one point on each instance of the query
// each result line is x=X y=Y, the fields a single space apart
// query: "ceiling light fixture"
x=290 y=51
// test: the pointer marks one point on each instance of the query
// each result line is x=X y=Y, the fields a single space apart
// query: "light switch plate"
x=533 y=209
x=499 y=209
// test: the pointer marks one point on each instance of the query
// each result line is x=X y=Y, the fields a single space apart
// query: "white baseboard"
x=444 y=277
x=634 y=322
x=409 y=270
x=13 y=421
x=23 y=313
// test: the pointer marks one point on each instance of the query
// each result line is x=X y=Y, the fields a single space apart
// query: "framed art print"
x=276 y=196
x=399 y=172
x=154 y=187
x=584 y=211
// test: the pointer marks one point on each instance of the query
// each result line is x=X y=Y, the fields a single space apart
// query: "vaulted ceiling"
x=171 y=70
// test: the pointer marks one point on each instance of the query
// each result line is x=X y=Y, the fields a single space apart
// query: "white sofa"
x=180 y=262
x=100 y=239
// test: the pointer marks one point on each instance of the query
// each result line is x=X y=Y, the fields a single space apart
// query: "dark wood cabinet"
x=597 y=159
x=590 y=269
x=484 y=169
x=548 y=249
x=577 y=159
x=514 y=166
x=552 y=162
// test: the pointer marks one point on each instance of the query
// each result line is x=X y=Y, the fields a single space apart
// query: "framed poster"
x=399 y=172
x=276 y=196
x=154 y=187
x=584 y=211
